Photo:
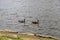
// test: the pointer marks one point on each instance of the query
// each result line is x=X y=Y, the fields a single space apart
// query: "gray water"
x=47 y=11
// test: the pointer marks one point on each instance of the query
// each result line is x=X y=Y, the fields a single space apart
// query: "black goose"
x=21 y=21
x=35 y=22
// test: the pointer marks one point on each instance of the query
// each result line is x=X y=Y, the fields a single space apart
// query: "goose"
x=35 y=22
x=21 y=21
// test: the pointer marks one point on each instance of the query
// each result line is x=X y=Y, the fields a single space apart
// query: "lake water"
x=46 y=11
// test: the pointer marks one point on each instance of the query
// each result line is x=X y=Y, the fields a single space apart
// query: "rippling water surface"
x=46 y=11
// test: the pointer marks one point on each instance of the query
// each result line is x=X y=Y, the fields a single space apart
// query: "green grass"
x=7 y=38
x=20 y=36
x=47 y=39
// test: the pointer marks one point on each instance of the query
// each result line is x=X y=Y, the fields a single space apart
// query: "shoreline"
x=38 y=35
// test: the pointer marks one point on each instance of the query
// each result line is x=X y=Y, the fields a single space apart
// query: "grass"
x=7 y=38
x=21 y=37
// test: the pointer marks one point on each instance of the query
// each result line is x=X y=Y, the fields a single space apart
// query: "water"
x=47 y=11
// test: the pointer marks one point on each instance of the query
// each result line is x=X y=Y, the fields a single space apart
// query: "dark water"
x=46 y=11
